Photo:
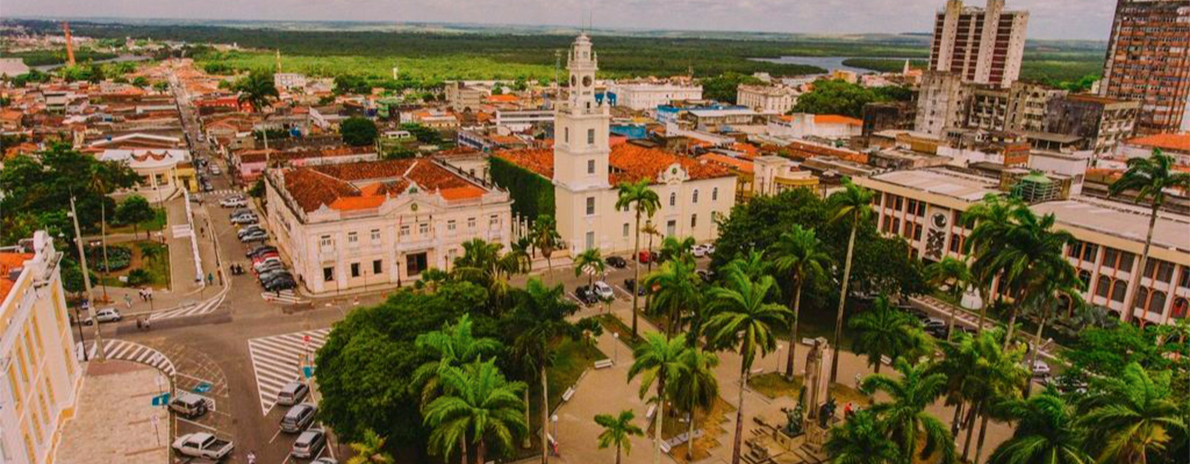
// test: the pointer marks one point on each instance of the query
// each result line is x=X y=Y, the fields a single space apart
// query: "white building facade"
x=648 y=96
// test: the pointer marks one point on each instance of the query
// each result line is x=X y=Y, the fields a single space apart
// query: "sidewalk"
x=115 y=421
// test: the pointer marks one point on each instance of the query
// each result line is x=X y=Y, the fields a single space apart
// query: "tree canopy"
x=838 y=97
x=358 y=131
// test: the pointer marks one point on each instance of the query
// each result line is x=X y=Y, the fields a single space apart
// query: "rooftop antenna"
x=69 y=43
x=278 y=60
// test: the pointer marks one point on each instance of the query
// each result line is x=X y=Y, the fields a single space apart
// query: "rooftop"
x=362 y=185
x=942 y=182
x=627 y=162
x=1175 y=142
x=1120 y=219
x=10 y=261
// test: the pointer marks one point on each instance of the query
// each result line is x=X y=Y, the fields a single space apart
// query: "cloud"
x=1049 y=19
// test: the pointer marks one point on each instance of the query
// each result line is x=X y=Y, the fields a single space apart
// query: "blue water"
x=828 y=63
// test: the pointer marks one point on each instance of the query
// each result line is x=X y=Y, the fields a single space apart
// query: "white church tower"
x=581 y=151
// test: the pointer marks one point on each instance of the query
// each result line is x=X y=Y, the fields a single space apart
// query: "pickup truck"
x=203 y=445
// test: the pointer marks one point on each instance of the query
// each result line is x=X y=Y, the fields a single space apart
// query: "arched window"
x=1180 y=306
x=1085 y=277
x=1103 y=288
x=714 y=194
x=694 y=198
x=1157 y=302
x=673 y=199
x=1142 y=297
x=1119 y=288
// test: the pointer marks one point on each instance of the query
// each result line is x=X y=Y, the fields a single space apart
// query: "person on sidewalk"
x=127 y=301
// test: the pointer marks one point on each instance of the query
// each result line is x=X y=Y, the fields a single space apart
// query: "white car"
x=233 y=202
x=105 y=315
x=603 y=290
x=1041 y=369
x=699 y=251
x=709 y=248
x=215 y=170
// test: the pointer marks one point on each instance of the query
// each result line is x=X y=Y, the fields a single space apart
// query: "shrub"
x=118 y=258
x=138 y=277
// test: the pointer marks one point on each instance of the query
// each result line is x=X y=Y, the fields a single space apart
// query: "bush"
x=531 y=193
x=138 y=277
x=118 y=258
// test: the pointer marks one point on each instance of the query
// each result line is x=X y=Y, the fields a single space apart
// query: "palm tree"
x=1150 y=178
x=1129 y=417
x=478 y=403
x=752 y=264
x=853 y=204
x=370 y=449
x=995 y=375
x=658 y=360
x=987 y=221
x=546 y=238
x=674 y=248
x=451 y=346
x=256 y=89
x=541 y=314
x=695 y=388
x=800 y=254
x=483 y=264
x=644 y=201
x=618 y=432
x=1045 y=431
x=1059 y=289
x=861 y=439
x=741 y=318
x=952 y=274
x=677 y=289
x=905 y=414
x=589 y=262
x=885 y=331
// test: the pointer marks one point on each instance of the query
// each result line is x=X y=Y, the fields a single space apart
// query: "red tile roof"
x=628 y=162
x=837 y=119
x=8 y=262
x=346 y=187
x=1179 y=142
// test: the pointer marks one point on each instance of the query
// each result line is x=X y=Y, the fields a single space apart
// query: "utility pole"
x=78 y=238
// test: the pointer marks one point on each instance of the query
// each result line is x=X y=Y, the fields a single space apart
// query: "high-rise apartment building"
x=981 y=45
x=1148 y=60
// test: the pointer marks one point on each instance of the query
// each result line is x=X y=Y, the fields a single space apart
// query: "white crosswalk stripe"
x=284 y=297
x=116 y=349
x=219 y=193
x=277 y=361
x=202 y=308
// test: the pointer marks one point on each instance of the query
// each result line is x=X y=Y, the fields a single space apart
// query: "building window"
x=714 y=194
x=566 y=135
x=590 y=137
x=328 y=273
x=377 y=267
x=590 y=166
x=673 y=199
x=693 y=220
x=471 y=223
x=375 y=235
x=1126 y=259
x=352 y=238
x=326 y=242
x=355 y=270
x=1103 y=287
x=1119 y=287
x=404 y=230
x=590 y=206
x=590 y=240
x=450 y=225
x=494 y=221
x=671 y=228
x=625 y=229
x=423 y=228
x=694 y=197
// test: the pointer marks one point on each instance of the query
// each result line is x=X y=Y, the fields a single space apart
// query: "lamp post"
x=616 y=348
x=778 y=352
x=78 y=240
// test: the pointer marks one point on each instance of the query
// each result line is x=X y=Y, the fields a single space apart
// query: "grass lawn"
x=613 y=324
x=774 y=385
x=712 y=423
x=157 y=267
x=571 y=359
x=155 y=224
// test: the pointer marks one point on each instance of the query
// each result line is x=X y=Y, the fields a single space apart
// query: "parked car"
x=934 y=323
x=258 y=266
x=189 y=405
x=709 y=248
x=644 y=256
x=256 y=236
x=249 y=229
x=269 y=268
x=603 y=291
x=245 y=219
x=309 y=443
x=265 y=256
x=206 y=187
x=298 y=417
x=106 y=315
x=259 y=250
x=616 y=262
x=215 y=170
x=585 y=295
x=238 y=212
x=706 y=275
x=280 y=285
x=292 y=393
x=630 y=284
x=699 y=251
x=1041 y=369
x=204 y=446
x=233 y=202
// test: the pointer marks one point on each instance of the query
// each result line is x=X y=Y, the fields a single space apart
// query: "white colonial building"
x=767 y=99
x=642 y=96
x=164 y=172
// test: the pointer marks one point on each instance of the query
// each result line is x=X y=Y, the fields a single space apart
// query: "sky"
x=1049 y=19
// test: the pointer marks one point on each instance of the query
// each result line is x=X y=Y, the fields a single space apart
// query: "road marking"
x=195 y=423
x=276 y=361
x=207 y=306
x=117 y=349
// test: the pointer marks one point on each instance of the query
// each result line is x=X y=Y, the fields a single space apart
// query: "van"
x=189 y=405
x=298 y=418
x=292 y=393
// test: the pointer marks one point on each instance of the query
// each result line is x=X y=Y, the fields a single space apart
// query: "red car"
x=264 y=256
x=646 y=256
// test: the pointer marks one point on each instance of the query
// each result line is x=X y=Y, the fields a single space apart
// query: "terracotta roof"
x=802 y=151
x=346 y=186
x=508 y=98
x=258 y=156
x=10 y=261
x=1179 y=142
x=730 y=162
x=628 y=162
x=837 y=119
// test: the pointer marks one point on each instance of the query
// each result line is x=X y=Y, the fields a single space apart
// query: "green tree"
x=658 y=360
x=1131 y=418
x=854 y=205
x=451 y=346
x=675 y=248
x=905 y=413
x=1150 y=178
x=358 y=131
x=725 y=87
x=135 y=210
x=861 y=439
x=885 y=331
x=644 y=202
x=140 y=81
x=546 y=238
x=589 y=262
x=800 y=254
x=618 y=432
x=540 y=315
x=838 y=97
x=477 y=402
x=695 y=388
x=993 y=375
x=370 y=449
x=258 y=189
x=257 y=90
x=161 y=86
x=676 y=289
x=952 y=274
x=988 y=221
x=1045 y=431
x=742 y=318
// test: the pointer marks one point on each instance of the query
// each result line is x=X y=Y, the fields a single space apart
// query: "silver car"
x=309 y=443
x=292 y=393
x=298 y=418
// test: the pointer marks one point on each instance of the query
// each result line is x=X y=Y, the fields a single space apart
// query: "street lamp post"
x=78 y=240
x=616 y=348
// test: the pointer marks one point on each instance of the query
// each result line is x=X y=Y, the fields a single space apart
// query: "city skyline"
x=1048 y=18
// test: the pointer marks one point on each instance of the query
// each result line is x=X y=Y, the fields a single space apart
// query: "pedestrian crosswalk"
x=287 y=297
x=278 y=360
x=116 y=349
x=201 y=308
x=219 y=193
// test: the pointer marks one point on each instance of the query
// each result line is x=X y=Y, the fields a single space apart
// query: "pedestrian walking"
x=127 y=301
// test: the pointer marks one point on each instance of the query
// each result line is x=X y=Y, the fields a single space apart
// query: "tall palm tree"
x=885 y=331
x=478 y=403
x=752 y=264
x=1130 y=417
x=370 y=449
x=589 y=262
x=546 y=238
x=677 y=289
x=645 y=202
x=696 y=388
x=541 y=314
x=618 y=432
x=675 y=248
x=742 y=318
x=1060 y=289
x=1150 y=178
x=958 y=364
x=996 y=375
x=954 y=275
x=1045 y=431
x=987 y=221
x=905 y=414
x=483 y=263
x=658 y=361
x=256 y=89
x=451 y=346
x=861 y=439
x=853 y=204
x=800 y=254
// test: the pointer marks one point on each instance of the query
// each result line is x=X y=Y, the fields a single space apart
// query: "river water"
x=830 y=64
